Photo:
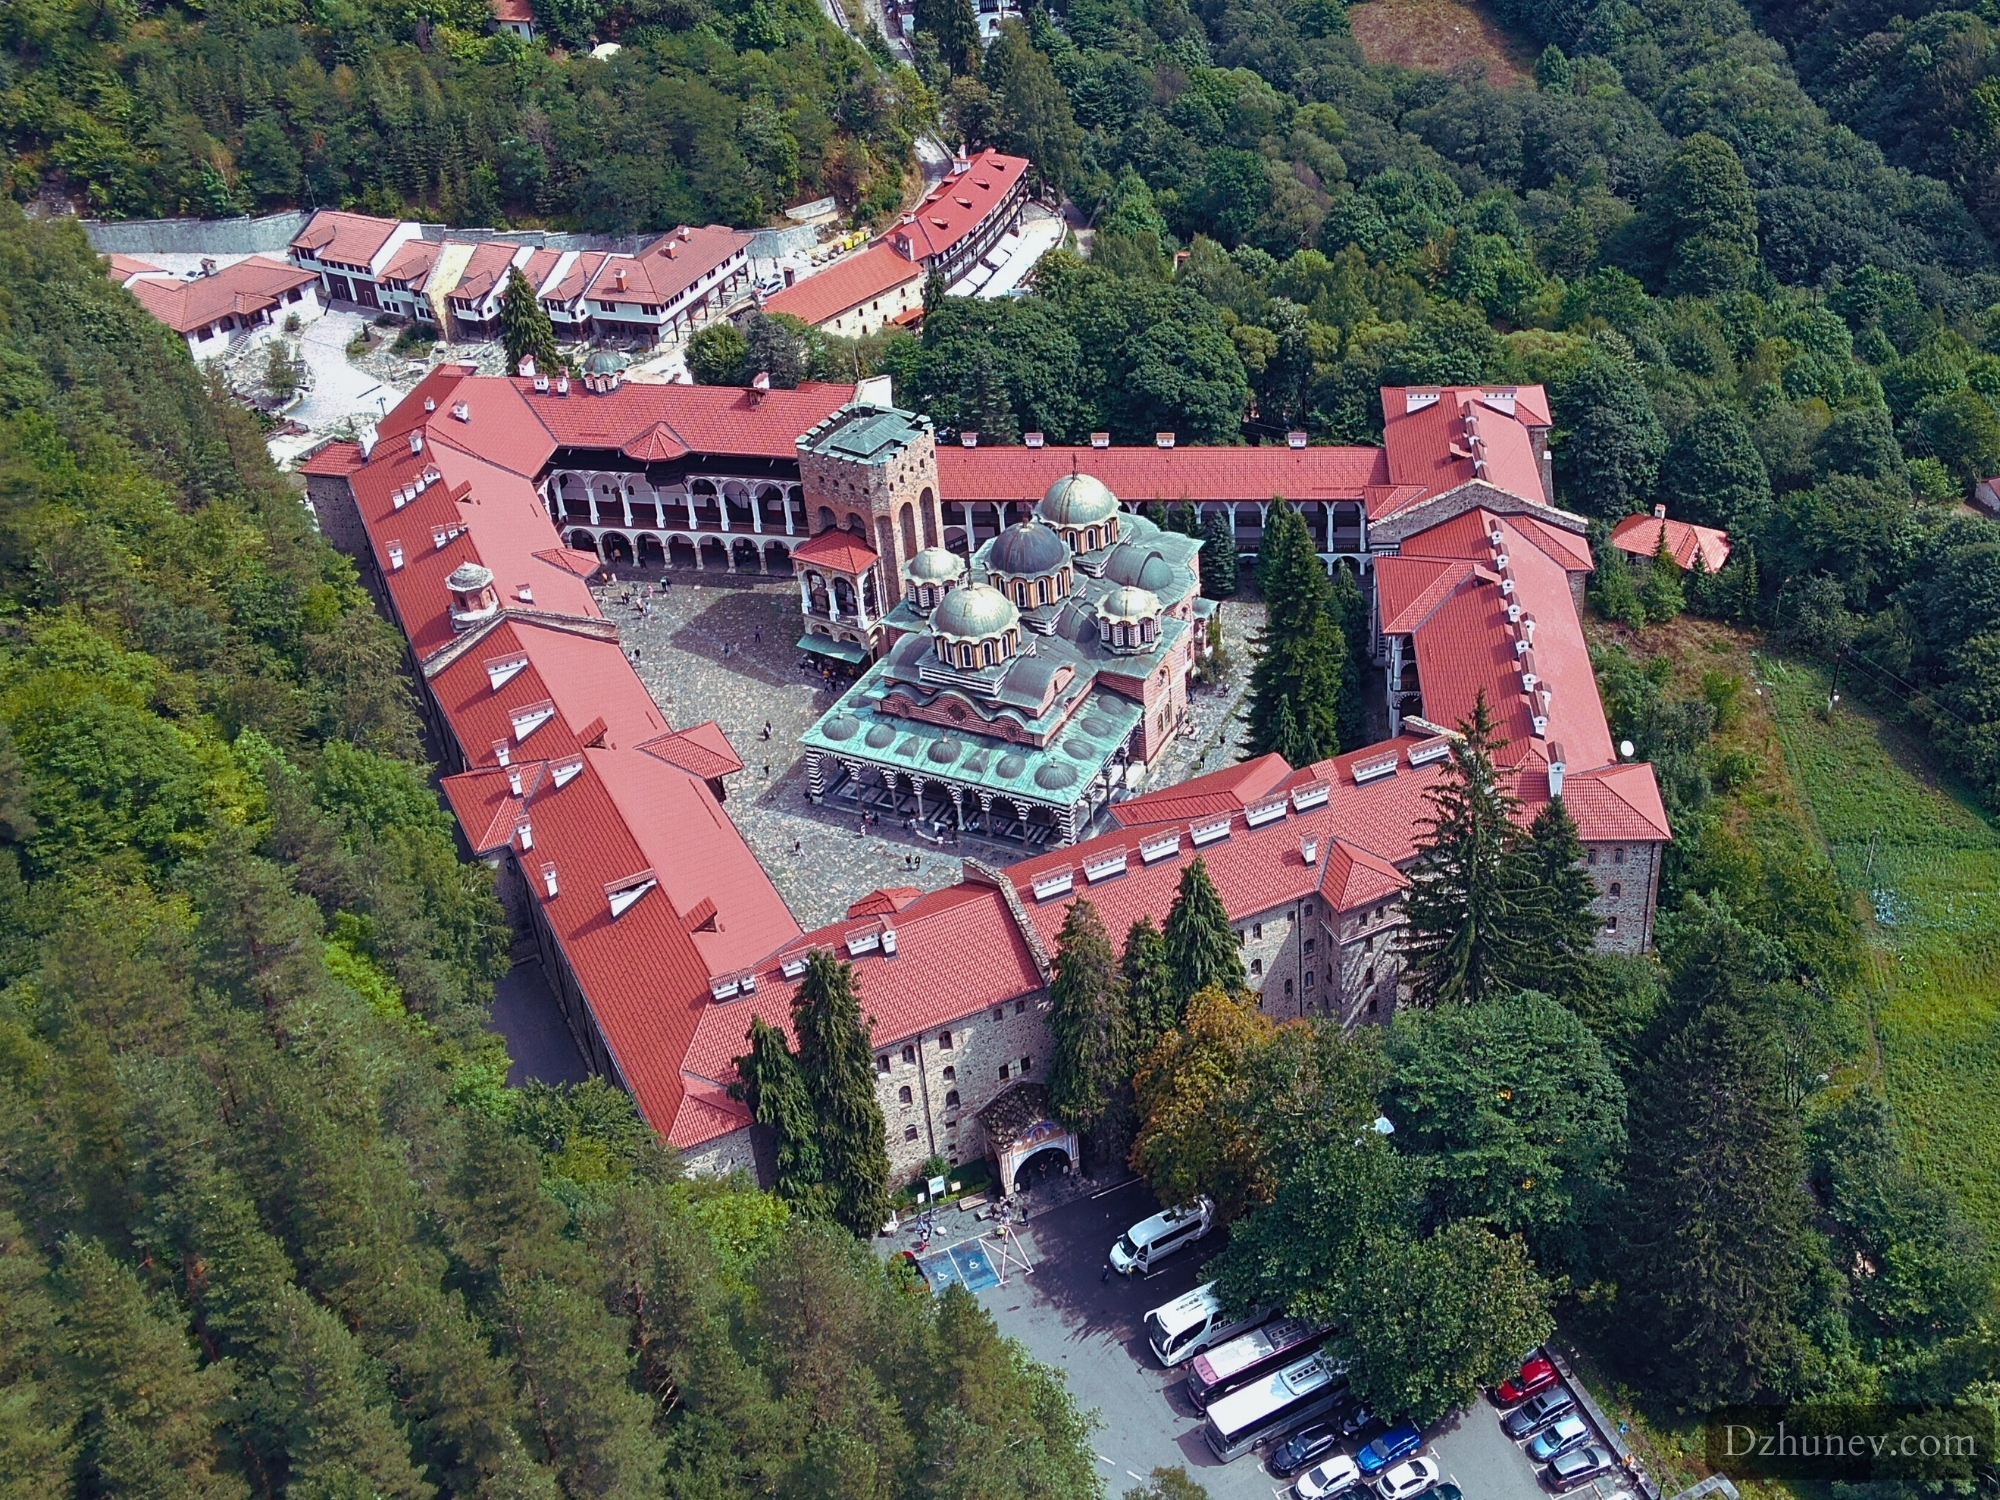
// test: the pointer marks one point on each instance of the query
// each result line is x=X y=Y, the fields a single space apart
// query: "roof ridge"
x=981 y=873
x=457 y=646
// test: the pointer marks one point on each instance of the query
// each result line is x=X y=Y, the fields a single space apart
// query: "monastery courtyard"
x=727 y=651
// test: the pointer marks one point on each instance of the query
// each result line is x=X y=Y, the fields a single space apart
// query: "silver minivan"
x=1184 y=1327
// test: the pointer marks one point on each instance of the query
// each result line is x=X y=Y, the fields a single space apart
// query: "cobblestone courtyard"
x=726 y=651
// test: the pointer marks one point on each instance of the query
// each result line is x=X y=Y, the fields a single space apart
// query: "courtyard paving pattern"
x=709 y=649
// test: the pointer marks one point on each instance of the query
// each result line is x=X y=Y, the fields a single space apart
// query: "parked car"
x=1445 y=1491
x=1356 y=1421
x=1577 y=1467
x=1536 y=1376
x=1537 y=1413
x=1306 y=1445
x=1333 y=1476
x=1142 y=1247
x=1398 y=1442
x=1567 y=1433
x=1407 y=1481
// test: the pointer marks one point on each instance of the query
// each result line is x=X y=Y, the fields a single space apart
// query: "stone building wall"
x=1627 y=877
x=982 y=1043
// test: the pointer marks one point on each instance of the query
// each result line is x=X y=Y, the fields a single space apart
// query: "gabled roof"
x=1229 y=790
x=846 y=285
x=411 y=265
x=667 y=267
x=701 y=750
x=335 y=460
x=842 y=551
x=351 y=239
x=486 y=270
x=1408 y=590
x=125 y=267
x=1462 y=435
x=886 y=901
x=1640 y=536
x=723 y=420
x=254 y=285
x=959 y=204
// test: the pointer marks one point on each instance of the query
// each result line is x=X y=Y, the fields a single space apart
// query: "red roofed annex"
x=481 y=507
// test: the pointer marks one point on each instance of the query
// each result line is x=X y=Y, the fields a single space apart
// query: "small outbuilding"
x=1639 y=538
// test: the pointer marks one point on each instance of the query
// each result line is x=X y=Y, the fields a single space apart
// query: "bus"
x=1242 y=1419
x=1241 y=1360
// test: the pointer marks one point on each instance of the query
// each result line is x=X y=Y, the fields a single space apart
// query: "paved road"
x=340 y=390
x=1481 y=1460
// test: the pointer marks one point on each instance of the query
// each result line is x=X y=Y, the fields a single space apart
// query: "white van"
x=1142 y=1247
x=1188 y=1324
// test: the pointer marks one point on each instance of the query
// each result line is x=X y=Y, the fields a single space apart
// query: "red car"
x=1536 y=1375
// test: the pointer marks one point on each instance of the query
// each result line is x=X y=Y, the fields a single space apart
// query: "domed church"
x=1022 y=692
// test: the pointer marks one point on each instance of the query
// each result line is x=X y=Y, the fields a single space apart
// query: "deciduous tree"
x=1194 y=1137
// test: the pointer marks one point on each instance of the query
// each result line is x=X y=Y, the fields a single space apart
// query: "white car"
x=1408 y=1480
x=1333 y=1477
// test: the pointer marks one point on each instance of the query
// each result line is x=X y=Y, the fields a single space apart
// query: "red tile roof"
x=255 y=285
x=669 y=266
x=1467 y=433
x=1640 y=536
x=725 y=420
x=842 y=551
x=121 y=267
x=886 y=901
x=846 y=284
x=335 y=459
x=411 y=265
x=351 y=239
x=701 y=750
x=1231 y=789
x=487 y=269
x=514 y=12
x=576 y=280
x=958 y=205
x=1137 y=475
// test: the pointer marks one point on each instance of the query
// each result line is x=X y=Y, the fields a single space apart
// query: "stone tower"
x=872 y=470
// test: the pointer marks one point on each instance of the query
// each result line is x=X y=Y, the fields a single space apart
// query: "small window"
x=944 y=1043
x=1020 y=1007
x=1003 y=1072
x=1256 y=966
x=1257 y=929
x=1288 y=987
x=1368 y=977
x=1309 y=908
x=910 y=1054
x=999 y=1012
x=1618 y=856
x=1310 y=976
x=882 y=1062
x=1617 y=889
x=1610 y=924
x=951 y=1099
x=1591 y=857
x=1310 y=944
x=909 y=1132
x=903 y=1095
x=950 y=1074
x=1027 y=1065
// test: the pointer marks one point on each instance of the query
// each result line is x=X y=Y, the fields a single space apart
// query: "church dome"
x=1129 y=603
x=606 y=362
x=975 y=611
x=1077 y=500
x=1026 y=550
x=935 y=565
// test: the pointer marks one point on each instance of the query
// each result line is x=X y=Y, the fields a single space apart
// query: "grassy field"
x=1438 y=36
x=1924 y=858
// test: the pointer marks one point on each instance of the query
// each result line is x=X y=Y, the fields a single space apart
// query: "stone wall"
x=1627 y=877
x=269 y=235
x=982 y=1043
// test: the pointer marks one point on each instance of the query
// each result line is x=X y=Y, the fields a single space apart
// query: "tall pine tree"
x=1350 y=609
x=1301 y=656
x=1550 y=900
x=1459 y=944
x=1717 y=1223
x=1147 y=980
x=1220 y=566
x=839 y=1070
x=769 y=1081
x=1087 y=1021
x=525 y=330
x=1201 y=946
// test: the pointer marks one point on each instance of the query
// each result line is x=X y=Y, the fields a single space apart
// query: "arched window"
x=903 y=1094
x=909 y=1054
x=944 y=1044
x=1617 y=889
x=986 y=650
x=950 y=1073
x=951 y=1099
x=1090 y=540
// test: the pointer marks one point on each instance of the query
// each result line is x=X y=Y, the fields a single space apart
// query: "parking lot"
x=1070 y=1315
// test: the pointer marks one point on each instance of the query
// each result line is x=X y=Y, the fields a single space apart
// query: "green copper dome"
x=1026 y=550
x=606 y=362
x=1077 y=500
x=973 y=612
x=1128 y=603
x=934 y=565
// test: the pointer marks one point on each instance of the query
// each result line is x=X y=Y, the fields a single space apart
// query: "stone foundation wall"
x=981 y=1045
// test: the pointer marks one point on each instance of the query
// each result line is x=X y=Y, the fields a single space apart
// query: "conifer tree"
x=1201 y=947
x=1301 y=656
x=1612 y=589
x=1350 y=609
x=1459 y=947
x=839 y=1071
x=1147 y=982
x=1220 y=566
x=1717 y=1223
x=525 y=330
x=1288 y=740
x=769 y=1081
x=1661 y=593
x=1087 y=1021
x=1550 y=899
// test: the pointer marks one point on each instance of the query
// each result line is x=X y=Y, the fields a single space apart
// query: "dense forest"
x=271 y=1221
x=710 y=113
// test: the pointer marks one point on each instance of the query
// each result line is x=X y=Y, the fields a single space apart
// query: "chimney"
x=762 y=382
x=562 y=384
x=430 y=403
x=416 y=442
x=1032 y=439
x=673 y=253
x=549 y=880
x=1558 y=765
x=207 y=265
x=528 y=366
x=1309 y=851
x=968 y=440
x=1295 y=439
x=1163 y=440
x=686 y=233
x=1659 y=513
x=618 y=277
x=1100 y=440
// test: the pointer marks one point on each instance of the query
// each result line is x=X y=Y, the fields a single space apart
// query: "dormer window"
x=564 y=772
x=527 y=720
x=503 y=670
x=624 y=894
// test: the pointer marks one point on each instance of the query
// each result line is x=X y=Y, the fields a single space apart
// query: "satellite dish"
x=1626 y=749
